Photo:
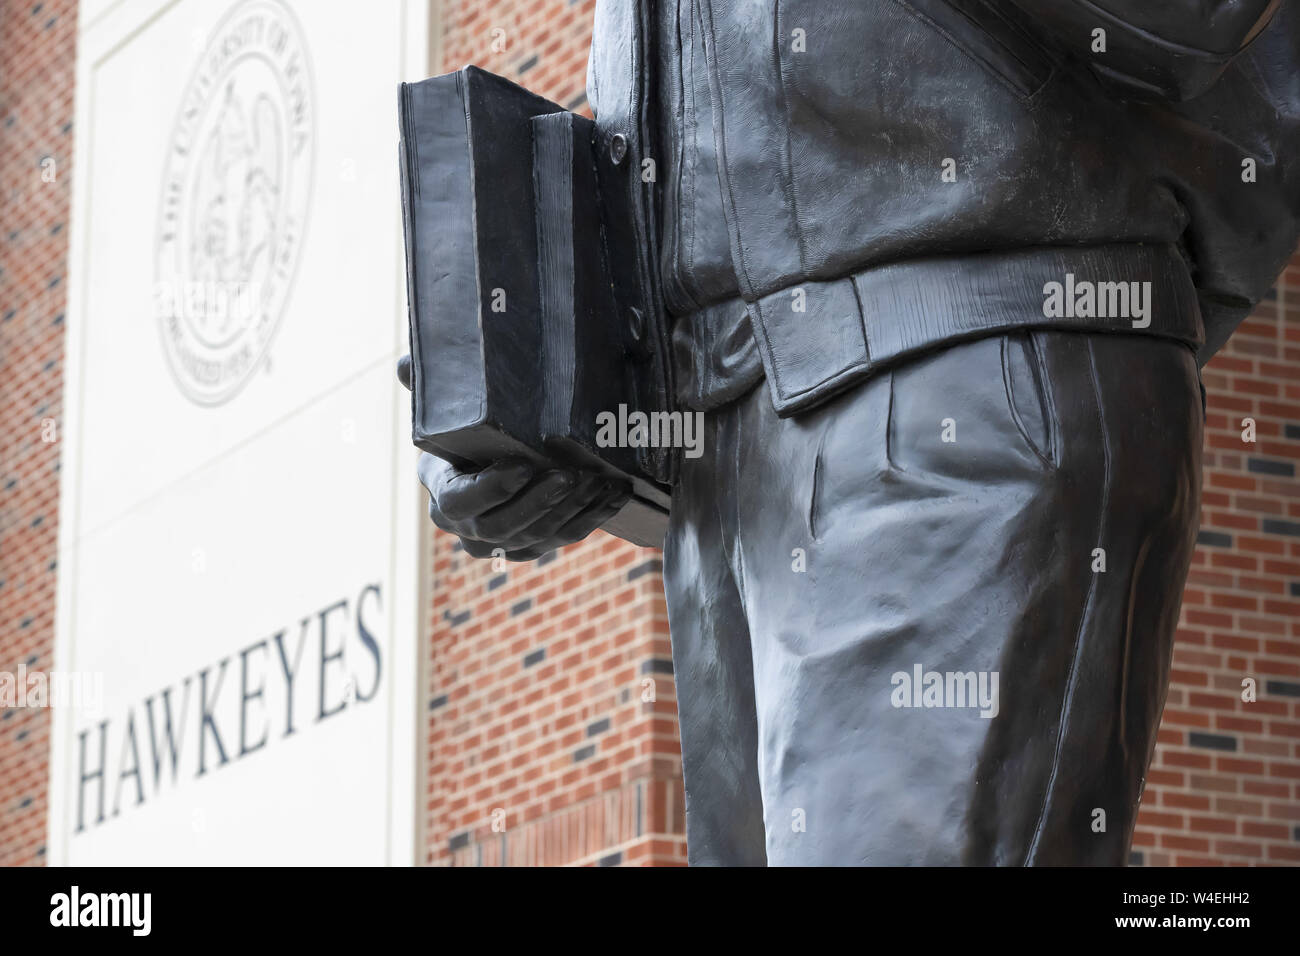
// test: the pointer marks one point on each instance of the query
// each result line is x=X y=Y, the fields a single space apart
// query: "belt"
x=815 y=339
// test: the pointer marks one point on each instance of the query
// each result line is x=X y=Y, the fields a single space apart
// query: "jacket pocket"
x=989 y=32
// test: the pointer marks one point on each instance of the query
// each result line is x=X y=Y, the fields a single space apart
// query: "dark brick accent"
x=653 y=566
x=1214 y=539
x=1264 y=466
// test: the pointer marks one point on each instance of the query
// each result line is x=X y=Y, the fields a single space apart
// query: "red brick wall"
x=538 y=717
x=37 y=75
x=1225 y=783
x=538 y=671
x=540 y=44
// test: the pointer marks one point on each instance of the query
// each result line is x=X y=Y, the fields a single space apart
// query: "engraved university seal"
x=236 y=185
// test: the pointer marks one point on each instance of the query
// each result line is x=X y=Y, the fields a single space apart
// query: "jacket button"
x=617 y=149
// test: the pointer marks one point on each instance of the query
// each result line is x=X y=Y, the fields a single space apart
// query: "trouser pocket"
x=1029 y=393
x=979 y=410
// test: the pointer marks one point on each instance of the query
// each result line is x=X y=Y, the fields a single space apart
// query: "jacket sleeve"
x=1154 y=49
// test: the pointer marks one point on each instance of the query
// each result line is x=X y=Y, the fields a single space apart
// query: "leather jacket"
x=895 y=174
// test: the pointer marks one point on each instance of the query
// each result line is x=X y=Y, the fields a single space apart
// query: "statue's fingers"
x=463 y=497
x=505 y=522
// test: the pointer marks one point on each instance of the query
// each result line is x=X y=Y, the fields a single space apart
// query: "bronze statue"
x=940 y=275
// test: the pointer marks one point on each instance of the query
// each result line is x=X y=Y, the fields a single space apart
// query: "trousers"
x=931 y=621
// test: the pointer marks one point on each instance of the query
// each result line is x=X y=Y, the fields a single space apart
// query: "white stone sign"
x=239 y=522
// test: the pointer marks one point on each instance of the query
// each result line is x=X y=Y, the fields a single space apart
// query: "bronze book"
x=518 y=348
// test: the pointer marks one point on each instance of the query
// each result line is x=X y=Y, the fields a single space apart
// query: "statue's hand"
x=514 y=507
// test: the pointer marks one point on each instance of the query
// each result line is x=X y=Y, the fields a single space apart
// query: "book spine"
x=410 y=182
x=553 y=192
